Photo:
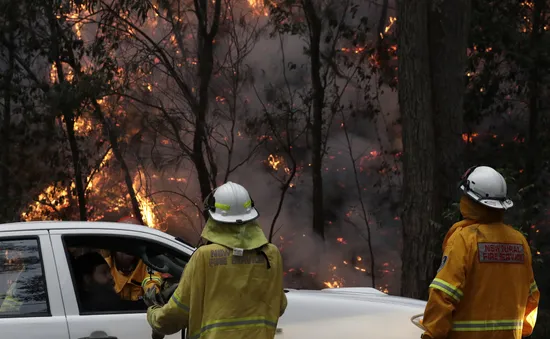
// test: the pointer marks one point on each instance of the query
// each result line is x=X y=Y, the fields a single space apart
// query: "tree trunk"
x=200 y=136
x=206 y=177
x=415 y=101
x=6 y=206
x=432 y=57
x=113 y=138
x=381 y=27
x=68 y=115
x=448 y=31
x=317 y=126
x=75 y=154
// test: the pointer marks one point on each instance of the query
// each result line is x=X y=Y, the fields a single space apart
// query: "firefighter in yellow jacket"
x=132 y=277
x=232 y=287
x=485 y=286
x=14 y=269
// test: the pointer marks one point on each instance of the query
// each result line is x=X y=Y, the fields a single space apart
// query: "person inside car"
x=97 y=286
x=133 y=279
x=13 y=268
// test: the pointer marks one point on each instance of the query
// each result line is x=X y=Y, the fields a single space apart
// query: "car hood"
x=349 y=313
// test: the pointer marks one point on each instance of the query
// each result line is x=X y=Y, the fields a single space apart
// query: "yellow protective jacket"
x=223 y=294
x=485 y=286
x=133 y=286
x=11 y=303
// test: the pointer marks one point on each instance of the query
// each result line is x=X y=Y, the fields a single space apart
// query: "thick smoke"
x=344 y=254
x=373 y=142
x=171 y=185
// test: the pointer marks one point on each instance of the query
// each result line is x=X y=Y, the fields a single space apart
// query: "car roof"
x=74 y=225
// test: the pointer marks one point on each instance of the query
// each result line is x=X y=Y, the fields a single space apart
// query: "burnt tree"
x=67 y=108
x=205 y=53
x=6 y=212
x=315 y=29
x=432 y=59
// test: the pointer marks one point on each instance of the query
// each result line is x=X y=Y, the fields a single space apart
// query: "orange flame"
x=146 y=205
x=333 y=284
x=274 y=161
x=469 y=137
x=258 y=7
x=389 y=26
x=58 y=197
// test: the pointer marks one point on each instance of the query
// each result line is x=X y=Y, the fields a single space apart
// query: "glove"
x=152 y=297
x=166 y=294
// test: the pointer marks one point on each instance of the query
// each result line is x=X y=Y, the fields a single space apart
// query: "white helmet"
x=486 y=186
x=230 y=203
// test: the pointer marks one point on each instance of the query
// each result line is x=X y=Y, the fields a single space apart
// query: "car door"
x=30 y=296
x=120 y=325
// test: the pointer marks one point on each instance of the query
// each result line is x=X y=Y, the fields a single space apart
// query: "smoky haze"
x=166 y=182
x=344 y=256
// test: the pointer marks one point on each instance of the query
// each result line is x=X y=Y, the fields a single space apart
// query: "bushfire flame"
x=274 y=161
x=333 y=284
x=61 y=198
x=258 y=7
x=147 y=206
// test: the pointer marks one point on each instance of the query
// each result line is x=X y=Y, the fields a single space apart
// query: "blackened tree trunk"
x=415 y=101
x=207 y=180
x=69 y=118
x=111 y=133
x=6 y=207
x=432 y=55
x=68 y=115
x=315 y=28
x=448 y=31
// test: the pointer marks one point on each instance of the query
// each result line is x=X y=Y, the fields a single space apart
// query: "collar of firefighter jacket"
x=121 y=279
x=473 y=214
x=478 y=212
x=247 y=237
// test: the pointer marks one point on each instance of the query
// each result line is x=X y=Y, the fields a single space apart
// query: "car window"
x=23 y=290
x=95 y=296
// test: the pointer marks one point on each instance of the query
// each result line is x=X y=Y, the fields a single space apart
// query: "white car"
x=36 y=255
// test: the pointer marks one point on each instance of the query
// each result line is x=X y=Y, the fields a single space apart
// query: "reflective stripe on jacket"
x=225 y=296
x=11 y=303
x=485 y=286
x=133 y=286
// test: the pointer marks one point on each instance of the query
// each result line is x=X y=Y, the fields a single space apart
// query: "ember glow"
x=275 y=161
x=335 y=281
x=389 y=26
x=333 y=284
x=469 y=137
x=341 y=240
x=258 y=7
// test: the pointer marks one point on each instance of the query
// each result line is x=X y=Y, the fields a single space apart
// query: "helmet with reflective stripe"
x=486 y=186
x=230 y=203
